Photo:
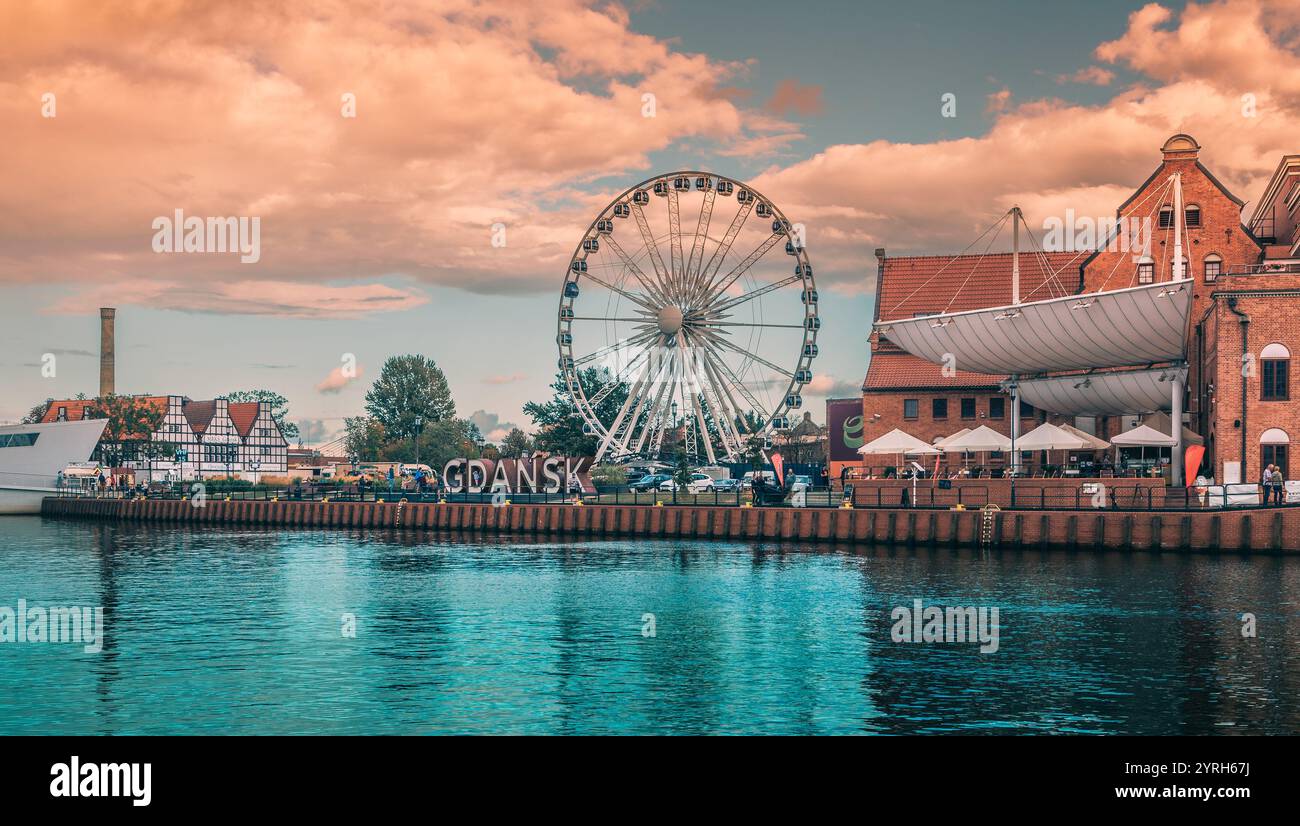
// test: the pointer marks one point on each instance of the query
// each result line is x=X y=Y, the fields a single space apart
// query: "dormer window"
x=1192 y=216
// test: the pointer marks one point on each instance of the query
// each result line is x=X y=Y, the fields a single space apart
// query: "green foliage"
x=516 y=444
x=409 y=387
x=559 y=425
x=130 y=419
x=439 y=443
x=682 y=469
x=363 y=437
x=609 y=475
x=279 y=408
x=36 y=413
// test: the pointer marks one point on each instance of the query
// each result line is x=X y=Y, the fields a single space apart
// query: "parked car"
x=651 y=482
x=747 y=481
x=726 y=485
x=699 y=483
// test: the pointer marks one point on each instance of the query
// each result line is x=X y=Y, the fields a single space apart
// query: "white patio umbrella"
x=943 y=443
x=899 y=444
x=980 y=440
x=1050 y=437
x=1160 y=421
x=1094 y=442
x=1143 y=437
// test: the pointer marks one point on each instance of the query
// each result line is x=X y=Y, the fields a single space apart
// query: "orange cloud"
x=338 y=378
x=1049 y=156
x=467 y=114
x=790 y=97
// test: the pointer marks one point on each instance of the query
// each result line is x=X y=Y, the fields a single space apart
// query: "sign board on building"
x=844 y=429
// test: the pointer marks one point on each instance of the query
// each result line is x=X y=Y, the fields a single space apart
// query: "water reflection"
x=240 y=631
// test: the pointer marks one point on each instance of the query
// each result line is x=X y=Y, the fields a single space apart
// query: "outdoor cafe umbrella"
x=1050 y=437
x=980 y=440
x=897 y=443
x=1143 y=437
x=942 y=443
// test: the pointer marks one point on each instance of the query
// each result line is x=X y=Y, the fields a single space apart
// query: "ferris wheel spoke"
x=652 y=289
x=720 y=252
x=629 y=296
x=630 y=428
x=724 y=343
x=731 y=414
x=606 y=318
x=612 y=433
x=654 y=416
x=740 y=269
x=697 y=244
x=716 y=409
x=759 y=407
x=647 y=237
x=616 y=346
x=752 y=294
x=737 y=415
x=675 y=241
x=616 y=378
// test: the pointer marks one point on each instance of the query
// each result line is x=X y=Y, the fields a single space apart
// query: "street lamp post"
x=419 y=428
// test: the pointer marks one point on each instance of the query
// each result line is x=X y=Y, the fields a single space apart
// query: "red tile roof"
x=76 y=408
x=954 y=283
x=199 y=414
x=904 y=371
x=243 y=414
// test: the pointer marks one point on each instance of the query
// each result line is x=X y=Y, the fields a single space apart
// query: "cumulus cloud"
x=338 y=378
x=792 y=98
x=1051 y=155
x=467 y=114
x=490 y=425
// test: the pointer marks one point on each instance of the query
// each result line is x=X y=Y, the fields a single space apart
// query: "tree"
x=363 y=437
x=409 y=388
x=439 y=443
x=279 y=408
x=36 y=413
x=131 y=422
x=516 y=444
x=559 y=424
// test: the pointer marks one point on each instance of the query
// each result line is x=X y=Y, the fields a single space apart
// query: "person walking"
x=1276 y=482
x=1266 y=483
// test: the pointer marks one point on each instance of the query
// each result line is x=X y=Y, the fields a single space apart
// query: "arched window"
x=1146 y=271
x=1274 y=373
x=1274 y=446
x=1213 y=267
x=1192 y=216
x=1166 y=216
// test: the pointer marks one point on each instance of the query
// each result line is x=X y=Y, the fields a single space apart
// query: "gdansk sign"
x=550 y=475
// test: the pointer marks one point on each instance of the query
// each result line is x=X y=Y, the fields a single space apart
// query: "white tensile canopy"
x=896 y=442
x=1050 y=437
x=1137 y=325
x=981 y=439
x=1103 y=394
x=1143 y=436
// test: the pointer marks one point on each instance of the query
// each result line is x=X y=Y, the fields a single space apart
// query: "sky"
x=380 y=143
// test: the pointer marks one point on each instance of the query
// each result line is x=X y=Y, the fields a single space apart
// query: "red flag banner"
x=778 y=464
x=1192 y=456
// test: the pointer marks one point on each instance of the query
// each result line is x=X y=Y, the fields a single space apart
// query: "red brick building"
x=1236 y=269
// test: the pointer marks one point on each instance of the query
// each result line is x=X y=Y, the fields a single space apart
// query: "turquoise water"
x=239 y=632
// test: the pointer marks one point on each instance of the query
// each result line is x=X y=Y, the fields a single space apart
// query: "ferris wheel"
x=672 y=298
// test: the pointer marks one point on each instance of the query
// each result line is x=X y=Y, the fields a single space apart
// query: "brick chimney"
x=107 y=377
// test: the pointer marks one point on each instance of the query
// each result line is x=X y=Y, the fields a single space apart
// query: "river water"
x=262 y=631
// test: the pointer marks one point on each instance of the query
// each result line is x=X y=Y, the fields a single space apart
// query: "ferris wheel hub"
x=670 y=320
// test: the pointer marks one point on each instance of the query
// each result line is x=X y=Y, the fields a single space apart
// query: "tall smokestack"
x=106 y=351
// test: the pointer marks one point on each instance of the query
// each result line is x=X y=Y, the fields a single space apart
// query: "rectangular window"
x=910 y=408
x=1146 y=272
x=1273 y=380
x=968 y=408
x=997 y=407
x=939 y=408
x=1166 y=217
x=1212 y=270
x=1026 y=410
x=18 y=439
